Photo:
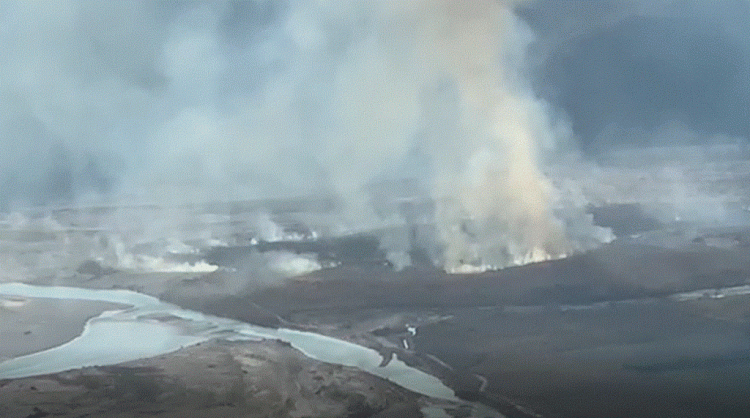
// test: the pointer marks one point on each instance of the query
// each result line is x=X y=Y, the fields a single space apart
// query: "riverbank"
x=593 y=335
x=213 y=379
x=151 y=329
x=29 y=325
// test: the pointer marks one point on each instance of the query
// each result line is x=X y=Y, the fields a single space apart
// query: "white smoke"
x=176 y=104
x=484 y=129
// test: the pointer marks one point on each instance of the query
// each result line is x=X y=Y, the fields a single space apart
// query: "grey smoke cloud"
x=192 y=101
x=625 y=70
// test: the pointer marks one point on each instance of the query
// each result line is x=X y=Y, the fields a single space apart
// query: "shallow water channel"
x=151 y=327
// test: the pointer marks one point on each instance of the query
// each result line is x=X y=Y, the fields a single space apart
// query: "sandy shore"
x=29 y=325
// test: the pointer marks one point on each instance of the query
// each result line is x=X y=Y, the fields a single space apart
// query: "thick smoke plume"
x=483 y=128
x=213 y=101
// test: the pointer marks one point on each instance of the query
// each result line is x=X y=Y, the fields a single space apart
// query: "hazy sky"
x=623 y=69
x=258 y=98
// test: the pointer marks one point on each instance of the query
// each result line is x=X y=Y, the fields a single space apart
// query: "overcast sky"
x=633 y=66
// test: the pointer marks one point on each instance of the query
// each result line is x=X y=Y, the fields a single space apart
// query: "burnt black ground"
x=592 y=335
x=637 y=353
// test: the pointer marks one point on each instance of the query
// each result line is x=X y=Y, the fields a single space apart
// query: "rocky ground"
x=215 y=379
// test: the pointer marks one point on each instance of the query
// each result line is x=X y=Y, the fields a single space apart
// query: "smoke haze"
x=214 y=101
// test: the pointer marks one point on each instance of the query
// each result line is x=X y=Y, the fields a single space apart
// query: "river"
x=150 y=327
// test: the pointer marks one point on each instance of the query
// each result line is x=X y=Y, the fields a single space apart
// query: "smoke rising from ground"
x=483 y=128
x=178 y=102
x=218 y=101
